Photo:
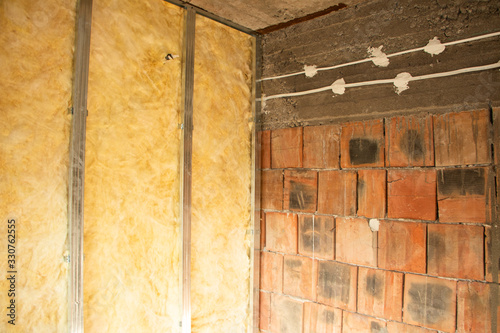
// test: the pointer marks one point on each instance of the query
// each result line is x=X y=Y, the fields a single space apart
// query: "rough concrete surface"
x=259 y=14
x=344 y=36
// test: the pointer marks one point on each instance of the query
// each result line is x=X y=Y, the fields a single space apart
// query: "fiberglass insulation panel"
x=36 y=55
x=222 y=176
x=132 y=230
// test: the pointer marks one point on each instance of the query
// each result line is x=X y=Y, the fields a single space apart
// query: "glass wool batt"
x=36 y=68
x=222 y=178
x=132 y=222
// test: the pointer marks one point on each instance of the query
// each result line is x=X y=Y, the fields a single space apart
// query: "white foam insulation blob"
x=338 y=87
x=374 y=224
x=401 y=82
x=434 y=47
x=36 y=68
x=310 y=71
x=378 y=57
x=222 y=177
x=132 y=225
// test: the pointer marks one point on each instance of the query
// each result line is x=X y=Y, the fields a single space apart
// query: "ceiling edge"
x=308 y=17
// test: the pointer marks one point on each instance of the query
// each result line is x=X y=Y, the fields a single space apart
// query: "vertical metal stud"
x=187 y=147
x=77 y=165
x=256 y=166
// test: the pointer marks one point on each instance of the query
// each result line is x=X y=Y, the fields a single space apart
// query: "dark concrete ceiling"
x=257 y=15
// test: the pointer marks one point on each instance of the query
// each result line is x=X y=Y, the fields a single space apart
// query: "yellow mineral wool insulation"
x=132 y=227
x=36 y=57
x=222 y=176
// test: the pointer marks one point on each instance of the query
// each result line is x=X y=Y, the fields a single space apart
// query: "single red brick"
x=356 y=323
x=362 y=144
x=464 y=195
x=321 y=318
x=465 y=209
x=301 y=190
x=264 y=311
x=337 y=285
x=474 y=307
x=286 y=148
x=430 y=302
x=271 y=272
x=393 y=327
x=355 y=242
x=322 y=147
x=286 y=314
x=300 y=276
x=281 y=232
x=337 y=192
x=265 y=149
x=412 y=194
x=492 y=257
x=380 y=293
x=402 y=246
x=456 y=251
x=316 y=236
x=409 y=141
x=462 y=138
x=272 y=189
x=371 y=193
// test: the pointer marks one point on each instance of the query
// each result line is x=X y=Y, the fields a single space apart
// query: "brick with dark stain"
x=436 y=246
x=328 y=316
x=361 y=187
x=299 y=276
x=429 y=303
x=461 y=181
x=363 y=151
x=308 y=237
x=412 y=145
x=456 y=251
x=334 y=281
x=293 y=268
x=409 y=141
x=374 y=286
x=316 y=236
x=286 y=314
x=300 y=190
x=377 y=328
x=301 y=196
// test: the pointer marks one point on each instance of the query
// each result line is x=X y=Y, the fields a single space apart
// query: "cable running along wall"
x=380 y=59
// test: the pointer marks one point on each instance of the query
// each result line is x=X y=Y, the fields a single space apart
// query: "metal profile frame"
x=214 y=17
x=186 y=174
x=186 y=162
x=256 y=176
x=77 y=165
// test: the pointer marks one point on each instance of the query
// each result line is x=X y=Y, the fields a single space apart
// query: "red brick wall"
x=379 y=226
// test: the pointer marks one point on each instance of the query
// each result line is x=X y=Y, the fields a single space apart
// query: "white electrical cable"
x=429 y=48
x=400 y=82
